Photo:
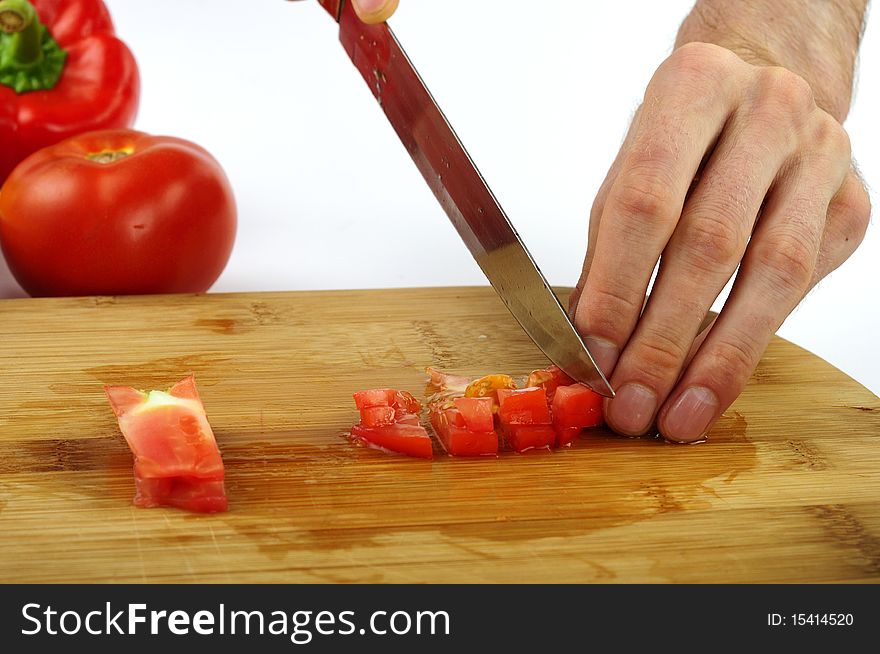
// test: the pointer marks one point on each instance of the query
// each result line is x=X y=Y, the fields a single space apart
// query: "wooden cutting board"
x=787 y=489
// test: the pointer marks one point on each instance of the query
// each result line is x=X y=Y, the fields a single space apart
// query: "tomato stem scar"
x=109 y=156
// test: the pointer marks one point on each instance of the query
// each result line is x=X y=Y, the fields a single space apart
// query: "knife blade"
x=463 y=193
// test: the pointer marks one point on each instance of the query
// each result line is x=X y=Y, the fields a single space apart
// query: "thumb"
x=374 y=11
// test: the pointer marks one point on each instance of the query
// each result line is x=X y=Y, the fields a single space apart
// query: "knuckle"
x=609 y=313
x=646 y=197
x=830 y=135
x=781 y=87
x=698 y=60
x=852 y=207
x=790 y=259
x=660 y=357
x=733 y=361
x=693 y=74
x=713 y=241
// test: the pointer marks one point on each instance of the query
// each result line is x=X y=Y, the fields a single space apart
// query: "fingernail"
x=632 y=409
x=604 y=353
x=691 y=415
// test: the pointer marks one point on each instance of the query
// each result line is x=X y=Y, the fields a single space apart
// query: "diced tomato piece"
x=405 y=402
x=575 y=407
x=375 y=397
x=177 y=461
x=525 y=406
x=476 y=412
x=550 y=379
x=523 y=438
x=375 y=416
x=401 y=402
x=566 y=435
x=525 y=416
x=458 y=438
x=408 y=419
x=190 y=493
x=408 y=439
x=390 y=422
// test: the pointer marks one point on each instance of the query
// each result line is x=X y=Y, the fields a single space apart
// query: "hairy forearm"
x=817 y=39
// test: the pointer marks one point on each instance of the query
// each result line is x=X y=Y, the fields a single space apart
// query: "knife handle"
x=333 y=7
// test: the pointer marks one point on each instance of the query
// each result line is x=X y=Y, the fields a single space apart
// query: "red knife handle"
x=333 y=7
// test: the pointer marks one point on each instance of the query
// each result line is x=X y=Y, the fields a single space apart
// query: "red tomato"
x=390 y=421
x=373 y=401
x=476 y=412
x=525 y=417
x=575 y=407
x=403 y=438
x=376 y=416
x=523 y=438
x=466 y=428
x=565 y=436
x=117 y=212
x=374 y=397
x=176 y=459
x=525 y=406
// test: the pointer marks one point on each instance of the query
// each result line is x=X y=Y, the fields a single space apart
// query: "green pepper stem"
x=19 y=18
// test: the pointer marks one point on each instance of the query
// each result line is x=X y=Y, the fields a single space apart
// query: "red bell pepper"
x=62 y=72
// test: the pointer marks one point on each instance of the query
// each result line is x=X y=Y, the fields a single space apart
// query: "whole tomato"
x=117 y=212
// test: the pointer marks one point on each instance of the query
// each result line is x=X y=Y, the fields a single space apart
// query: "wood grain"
x=787 y=489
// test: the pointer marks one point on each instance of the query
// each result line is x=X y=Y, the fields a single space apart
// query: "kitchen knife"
x=463 y=193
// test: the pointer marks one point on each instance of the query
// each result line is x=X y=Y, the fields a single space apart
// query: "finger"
x=848 y=217
x=775 y=274
x=645 y=201
x=702 y=255
x=374 y=11
x=596 y=213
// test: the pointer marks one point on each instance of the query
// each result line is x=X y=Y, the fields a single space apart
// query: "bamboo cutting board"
x=787 y=489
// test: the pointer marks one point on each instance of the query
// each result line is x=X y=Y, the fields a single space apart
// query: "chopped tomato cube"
x=374 y=416
x=375 y=397
x=525 y=406
x=176 y=458
x=523 y=438
x=390 y=422
x=476 y=412
x=465 y=435
x=190 y=493
x=403 y=438
x=525 y=416
x=575 y=407
x=405 y=402
x=566 y=435
x=408 y=419
x=401 y=402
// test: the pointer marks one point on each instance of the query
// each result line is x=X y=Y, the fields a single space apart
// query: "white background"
x=540 y=92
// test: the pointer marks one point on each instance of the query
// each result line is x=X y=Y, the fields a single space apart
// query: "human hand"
x=374 y=11
x=726 y=165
